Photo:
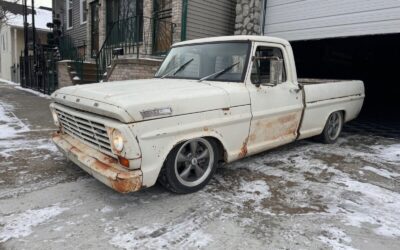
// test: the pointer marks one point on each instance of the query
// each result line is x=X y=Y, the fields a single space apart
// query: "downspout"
x=264 y=17
x=184 y=19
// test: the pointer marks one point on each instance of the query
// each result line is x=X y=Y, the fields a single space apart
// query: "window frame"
x=69 y=7
x=285 y=76
x=83 y=9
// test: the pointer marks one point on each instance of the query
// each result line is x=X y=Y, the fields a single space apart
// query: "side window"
x=262 y=67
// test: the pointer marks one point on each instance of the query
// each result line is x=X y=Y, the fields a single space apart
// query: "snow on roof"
x=42 y=17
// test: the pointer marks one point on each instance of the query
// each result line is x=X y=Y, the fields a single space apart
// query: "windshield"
x=225 y=61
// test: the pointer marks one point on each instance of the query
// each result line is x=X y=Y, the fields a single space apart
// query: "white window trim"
x=81 y=12
x=67 y=7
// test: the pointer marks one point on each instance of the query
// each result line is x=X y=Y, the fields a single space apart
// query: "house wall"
x=78 y=30
x=207 y=18
x=5 y=52
x=316 y=19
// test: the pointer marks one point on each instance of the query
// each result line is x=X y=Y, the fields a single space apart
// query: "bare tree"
x=5 y=10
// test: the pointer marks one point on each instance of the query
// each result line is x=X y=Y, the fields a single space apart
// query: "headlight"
x=117 y=140
x=55 y=117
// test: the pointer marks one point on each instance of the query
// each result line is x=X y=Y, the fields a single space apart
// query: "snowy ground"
x=300 y=196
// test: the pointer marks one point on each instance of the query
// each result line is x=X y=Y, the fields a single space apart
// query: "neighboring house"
x=337 y=39
x=12 y=37
x=139 y=30
x=72 y=15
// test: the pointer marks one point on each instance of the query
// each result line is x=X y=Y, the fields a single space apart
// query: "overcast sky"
x=38 y=3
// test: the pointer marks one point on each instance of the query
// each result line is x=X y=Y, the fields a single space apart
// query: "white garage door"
x=314 y=19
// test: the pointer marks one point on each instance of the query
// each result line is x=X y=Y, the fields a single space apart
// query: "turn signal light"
x=123 y=161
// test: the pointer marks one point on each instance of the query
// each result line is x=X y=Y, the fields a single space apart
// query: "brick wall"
x=131 y=69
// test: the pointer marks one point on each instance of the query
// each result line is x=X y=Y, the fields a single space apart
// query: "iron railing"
x=74 y=50
x=136 y=36
x=39 y=74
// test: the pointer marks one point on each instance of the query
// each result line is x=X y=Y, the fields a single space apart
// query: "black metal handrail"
x=137 y=35
x=74 y=50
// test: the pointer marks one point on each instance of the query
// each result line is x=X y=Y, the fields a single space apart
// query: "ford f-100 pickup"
x=212 y=100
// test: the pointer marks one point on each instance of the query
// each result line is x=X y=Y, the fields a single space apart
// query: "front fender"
x=158 y=137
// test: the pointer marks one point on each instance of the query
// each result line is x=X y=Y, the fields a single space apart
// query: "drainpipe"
x=264 y=17
x=184 y=19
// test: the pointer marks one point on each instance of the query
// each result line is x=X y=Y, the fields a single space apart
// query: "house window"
x=83 y=11
x=125 y=16
x=69 y=14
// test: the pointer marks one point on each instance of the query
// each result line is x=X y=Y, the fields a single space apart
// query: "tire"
x=190 y=166
x=332 y=129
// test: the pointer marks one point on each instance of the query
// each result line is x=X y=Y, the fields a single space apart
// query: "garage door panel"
x=307 y=15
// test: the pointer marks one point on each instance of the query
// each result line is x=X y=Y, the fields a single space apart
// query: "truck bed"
x=321 y=90
x=323 y=97
x=308 y=81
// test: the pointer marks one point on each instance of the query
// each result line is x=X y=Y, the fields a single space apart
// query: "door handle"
x=295 y=91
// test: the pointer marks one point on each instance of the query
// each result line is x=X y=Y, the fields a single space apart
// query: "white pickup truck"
x=212 y=100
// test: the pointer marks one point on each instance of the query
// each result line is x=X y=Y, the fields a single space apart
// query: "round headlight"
x=117 y=140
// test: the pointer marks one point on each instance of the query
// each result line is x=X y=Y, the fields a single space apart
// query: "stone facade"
x=131 y=69
x=248 y=17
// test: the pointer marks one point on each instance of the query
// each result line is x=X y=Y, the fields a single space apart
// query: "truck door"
x=276 y=109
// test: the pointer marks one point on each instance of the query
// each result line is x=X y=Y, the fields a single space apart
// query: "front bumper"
x=102 y=167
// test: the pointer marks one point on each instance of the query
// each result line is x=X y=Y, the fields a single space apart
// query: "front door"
x=276 y=109
x=94 y=28
x=163 y=28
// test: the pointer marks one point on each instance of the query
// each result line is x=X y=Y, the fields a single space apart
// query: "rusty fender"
x=103 y=167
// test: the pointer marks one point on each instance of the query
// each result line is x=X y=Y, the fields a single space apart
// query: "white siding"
x=5 y=52
x=315 y=19
x=207 y=18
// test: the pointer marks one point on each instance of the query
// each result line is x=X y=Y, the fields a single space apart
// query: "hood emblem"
x=156 y=112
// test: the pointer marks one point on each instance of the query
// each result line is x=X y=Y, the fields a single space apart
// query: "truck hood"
x=126 y=100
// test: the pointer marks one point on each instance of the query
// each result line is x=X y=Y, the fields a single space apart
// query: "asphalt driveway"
x=301 y=196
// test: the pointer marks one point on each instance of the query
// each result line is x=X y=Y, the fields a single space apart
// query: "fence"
x=136 y=36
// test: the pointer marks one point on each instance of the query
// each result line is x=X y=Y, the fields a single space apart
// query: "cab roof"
x=268 y=39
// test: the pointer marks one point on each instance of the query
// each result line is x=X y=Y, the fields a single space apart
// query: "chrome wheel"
x=334 y=125
x=194 y=162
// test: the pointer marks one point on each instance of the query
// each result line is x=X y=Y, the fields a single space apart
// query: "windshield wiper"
x=221 y=72
x=177 y=69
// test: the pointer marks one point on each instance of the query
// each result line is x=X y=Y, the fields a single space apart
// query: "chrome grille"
x=88 y=131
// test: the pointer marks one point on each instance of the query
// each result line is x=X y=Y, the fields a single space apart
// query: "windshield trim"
x=245 y=67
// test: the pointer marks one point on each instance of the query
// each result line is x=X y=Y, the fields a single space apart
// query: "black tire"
x=173 y=174
x=333 y=128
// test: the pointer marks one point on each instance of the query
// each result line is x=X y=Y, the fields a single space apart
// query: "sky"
x=38 y=3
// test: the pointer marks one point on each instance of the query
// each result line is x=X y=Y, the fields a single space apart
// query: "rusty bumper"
x=102 y=167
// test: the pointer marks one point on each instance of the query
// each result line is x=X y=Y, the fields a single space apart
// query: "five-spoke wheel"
x=333 y=128
x=190 y=165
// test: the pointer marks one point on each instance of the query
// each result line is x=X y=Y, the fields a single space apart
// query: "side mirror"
x=276 y=70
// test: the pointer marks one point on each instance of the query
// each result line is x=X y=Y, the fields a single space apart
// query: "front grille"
x=88 y=131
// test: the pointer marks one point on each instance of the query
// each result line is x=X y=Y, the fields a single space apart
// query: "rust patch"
x=126 y=185
x=243 y=149
x=104 y=168
x=275 y=128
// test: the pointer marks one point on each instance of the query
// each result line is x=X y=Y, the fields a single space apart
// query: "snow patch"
x=34 y=92
x=382 y=172
x=8 y=82
x=20 y=225
x=158 y=237
x=10 y=125
x=106 y=209
x=336 y=239
x=389 y=153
